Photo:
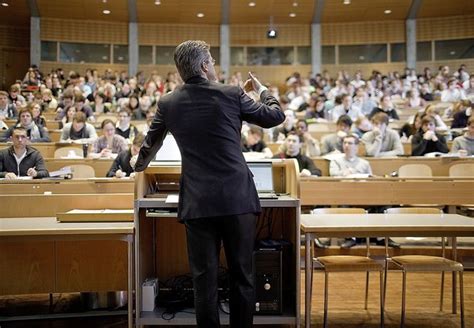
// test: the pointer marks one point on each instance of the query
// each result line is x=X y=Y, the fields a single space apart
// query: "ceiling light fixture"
x=387 y=12
x=157 y=2
x=4 y=4
x=292 y=15
x=200 y=15
x=106 y=12
x=104 y=1
x=347 y=2
x=295 y=4
x=252 y=4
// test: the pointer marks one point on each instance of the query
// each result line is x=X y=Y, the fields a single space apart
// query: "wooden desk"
x=101 y=166
x=373 y=225
x=74 y=186
x=45 y=148
x=382 y=166
x=386 y=191
x=24 y=205
x=40 y=255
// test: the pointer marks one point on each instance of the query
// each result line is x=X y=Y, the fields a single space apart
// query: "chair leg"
x=385 y=282
x=366 y=289
x=461 y=296
x=404 y=289
x=382 y=310
x=326 y=276
x=441 y=297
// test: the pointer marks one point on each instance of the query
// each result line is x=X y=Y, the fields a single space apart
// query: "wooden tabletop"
x=394 y=225
x=44 y=226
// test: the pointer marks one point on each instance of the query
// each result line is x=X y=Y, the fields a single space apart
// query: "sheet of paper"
x=172 y=199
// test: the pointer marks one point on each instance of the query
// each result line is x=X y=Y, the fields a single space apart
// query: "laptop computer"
x=263 y=179
x=169 y=153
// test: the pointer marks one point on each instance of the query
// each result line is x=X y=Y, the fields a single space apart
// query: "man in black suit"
x=218 y=199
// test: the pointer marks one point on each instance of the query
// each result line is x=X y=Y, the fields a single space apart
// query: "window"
x=304 y=55
x=48 y=50
x=84 y=53
x=164 y=55
x=120 y=54
x=423 y=51
x=398 y=52
x=370 y=53
x=328 y=55
x=145 y=55
x=237 y=56
x=216 y=54
x=454 y=49
x=270 y=55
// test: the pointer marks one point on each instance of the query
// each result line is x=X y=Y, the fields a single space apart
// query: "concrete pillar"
x=411 y=42
x=316 y=48
x=35 y=41
x=132 y=48
x=225 y=50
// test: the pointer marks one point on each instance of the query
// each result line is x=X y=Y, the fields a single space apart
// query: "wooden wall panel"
x=256 y=35
x=441 y=28
x=12 y=37
x=173 y=34
x=84 y=31
x=363 y=32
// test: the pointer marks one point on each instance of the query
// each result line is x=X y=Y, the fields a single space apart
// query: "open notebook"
x=263 y=179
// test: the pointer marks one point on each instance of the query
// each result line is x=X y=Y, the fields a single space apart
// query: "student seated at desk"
x=464 y=145
x=109 y=144
x=252 y=144
x=121 y=166
x=35 y=133
x=333 y=142
x=382 y=141
x=78 y=130
x=7 y=110
x=123 y=127
x=309 y=145
x=20 y=160
x=426 y=140
x=293 y=150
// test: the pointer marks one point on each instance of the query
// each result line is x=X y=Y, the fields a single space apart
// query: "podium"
x=160 y=240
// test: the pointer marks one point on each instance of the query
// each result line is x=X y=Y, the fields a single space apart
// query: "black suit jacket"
x=205 y=118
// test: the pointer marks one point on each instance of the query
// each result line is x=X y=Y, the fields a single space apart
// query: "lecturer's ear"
x=204 y=67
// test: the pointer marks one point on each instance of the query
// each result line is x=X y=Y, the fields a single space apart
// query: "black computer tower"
x=268 y=281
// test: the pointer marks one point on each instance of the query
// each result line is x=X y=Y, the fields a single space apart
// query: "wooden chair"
x=423 y=263
x=67 y=151
x=82 y=171
x=462 y=170
x=348 y=263
x=415 y=170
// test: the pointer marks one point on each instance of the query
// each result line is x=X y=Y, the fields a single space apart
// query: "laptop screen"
x=169 y=151
x=262 y=175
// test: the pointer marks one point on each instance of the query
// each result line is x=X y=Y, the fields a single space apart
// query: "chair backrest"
x=462 y=170
x=414 y=170
x=67 y=151
x=336 y=210
x=82 y=171
x=413 y=210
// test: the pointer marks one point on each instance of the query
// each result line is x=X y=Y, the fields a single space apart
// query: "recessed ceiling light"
x=4 y=4
x=295 y=4
x=106 y=12
x=104 y=1
x=200 y=15
x=157 y=2
x=347 y=2
x=252 y=4
x=292 y=15
x=388 y=11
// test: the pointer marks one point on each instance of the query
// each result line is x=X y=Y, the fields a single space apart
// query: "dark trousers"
x=204 y=236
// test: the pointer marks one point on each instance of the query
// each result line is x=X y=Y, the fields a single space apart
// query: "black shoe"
x=319 y=244
x=391 y=243
x=348 y=243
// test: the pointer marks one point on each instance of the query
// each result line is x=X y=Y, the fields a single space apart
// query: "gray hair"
x=189 y=57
